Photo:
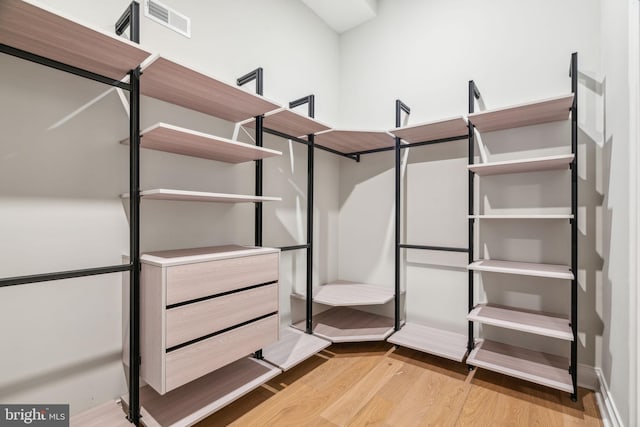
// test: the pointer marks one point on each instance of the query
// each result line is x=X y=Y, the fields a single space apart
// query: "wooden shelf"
x=198 y=399
x=343 y=324
x=523 y=268
x=540 y=368
x=108 y=414
x=291 y=123
x=177 y=140
x=293 y=347
x=523 y=165
x=430 y=131
x=522 y=320
x=438 y=342
x=344 y=293
x=531 y=113
x=195 y=255
x=353 y=141
x=199 y=196
x=46 y=33
x=181 y=85
x=518 y=216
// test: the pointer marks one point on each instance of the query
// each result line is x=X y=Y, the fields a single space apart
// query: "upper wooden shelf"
x=199 y=196
x=181 y=85
x=531 y=113
x=291 y=123
x=523 y=165
x=439 y=342
x=344 y=293
x=523 y=268
x=354 y=141
x=46 y=33
x=177 y=140
x=431 y=131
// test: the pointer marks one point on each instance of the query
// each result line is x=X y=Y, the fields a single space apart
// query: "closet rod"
x=434 y=248
x=46 y=277
x=294 y=247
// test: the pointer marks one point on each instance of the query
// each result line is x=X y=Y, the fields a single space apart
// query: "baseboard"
x=608 y=411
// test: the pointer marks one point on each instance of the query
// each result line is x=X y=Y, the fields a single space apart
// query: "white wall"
x=60 y=183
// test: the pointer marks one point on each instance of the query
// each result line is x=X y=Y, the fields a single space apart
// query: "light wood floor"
x=361 y=384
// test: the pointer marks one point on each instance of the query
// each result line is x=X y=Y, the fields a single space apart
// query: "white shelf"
x=353 y=141
x=198 y=399
x=438 y=342
x=181 y=85
x=344 y=293
x=520 y=216
x=173 y=257
x=344 y=324
x=520 y=320
x=523 y=268
x=540 y=368
x=290 y=123
x=531 y=113
x=199 y=196
x=187 y=142
x=523 y=165
x=292 y=348
x=108 y=414
x=430 y=131
x=47 y=33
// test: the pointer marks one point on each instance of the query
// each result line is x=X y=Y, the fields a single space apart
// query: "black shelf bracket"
x=130 y=18
x=257 y=75
x=310 y=100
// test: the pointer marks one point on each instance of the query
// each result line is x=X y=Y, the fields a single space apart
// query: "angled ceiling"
x=343 y=15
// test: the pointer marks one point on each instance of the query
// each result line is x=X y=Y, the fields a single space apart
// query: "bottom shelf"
x=292 y=348
x=343 y=324
x=108 y=414
x=198 y=399
x=430 y=340
x=540 y=368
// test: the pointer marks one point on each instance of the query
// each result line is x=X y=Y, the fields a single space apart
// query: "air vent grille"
x=168 y=17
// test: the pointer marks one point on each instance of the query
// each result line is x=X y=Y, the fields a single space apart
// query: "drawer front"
x=195 y=360
x=191 y=281
x=195 y=320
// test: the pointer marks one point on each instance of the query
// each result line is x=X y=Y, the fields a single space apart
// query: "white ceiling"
x=343 y=15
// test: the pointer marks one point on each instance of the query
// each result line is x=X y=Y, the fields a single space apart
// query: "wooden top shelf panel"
x=522 y=320
x=212 y=253
x=523 y=165
x=293 y=347
x=177 y=140
x=291 y=123
x=46 y=33
x=199 y=196
x=532 y=113
x=343 y=293
x=344 y=324
x=438 y=342
x=540 y=368
x=430 y=131
x=353 y=141
x=523 y=268
x=178 y=84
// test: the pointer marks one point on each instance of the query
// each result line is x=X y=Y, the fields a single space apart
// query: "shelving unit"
x=438 y=342
x=523 y=165
x=293 y=347
x=455 y=127
x=345 y=324
x=289 y=123
x=354 y=141
x=552 y=271
x=200 y=196
x=344 y=293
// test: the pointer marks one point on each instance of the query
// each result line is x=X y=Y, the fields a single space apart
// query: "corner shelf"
x=438 y=342
x=523 y=165
x=430 y=131
x=522 y=320
x=292 y=348
x=354 y=141
x=522 y=216
x=540 y=368
x=344 y=324
x=291 y=123
x=527 y=114
x=523 y=268
x=344 y=293
x=199 y=196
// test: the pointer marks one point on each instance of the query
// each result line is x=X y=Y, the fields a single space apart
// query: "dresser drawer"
x=198 y=319
x=193 y=361
x=191 y=281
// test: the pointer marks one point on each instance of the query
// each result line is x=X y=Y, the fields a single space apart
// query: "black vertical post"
x=310 y=174
x=574 y=225
x=472 y=96
x=400 y=107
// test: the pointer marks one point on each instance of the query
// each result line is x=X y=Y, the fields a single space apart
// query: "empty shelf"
x=522 y=320
x=343 y=293
x=293 y=347
x=523 y=268
x=431 y=131
x=343 y=324
x=198 y=399
x=354 y=141
x=520 y=216
x=171 y=257
x=434 y=341
x=540 y=368
x=41 y=31
x=523 y=165
x=199 y=196
x=531 y=113
x=177 y=140
x=291 y=123
x=178 y=84
x=108 y=414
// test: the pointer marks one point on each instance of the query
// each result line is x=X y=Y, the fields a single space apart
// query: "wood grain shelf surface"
x=426 y=339
x=198 y=399
x=522 y=216
x=523 y=268
x=533 y=322
x=187 y=142
x=540 y=368
x=181 y=85
x=174 y=257
x=430 y=131
x=353 y=141
x=344 y=324
x=108 y=414
x=291 y=123
x=531 y=113
x=292 y=348
x=523 y=165
x=47 y=33
x=345 y=293
x=200 y=196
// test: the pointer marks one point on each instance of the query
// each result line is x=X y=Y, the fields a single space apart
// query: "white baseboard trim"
x=608 y=411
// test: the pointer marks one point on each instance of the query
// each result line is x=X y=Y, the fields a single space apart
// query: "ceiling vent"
x=168 y=17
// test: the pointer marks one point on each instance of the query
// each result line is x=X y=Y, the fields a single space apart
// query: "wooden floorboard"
x=374 y=384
